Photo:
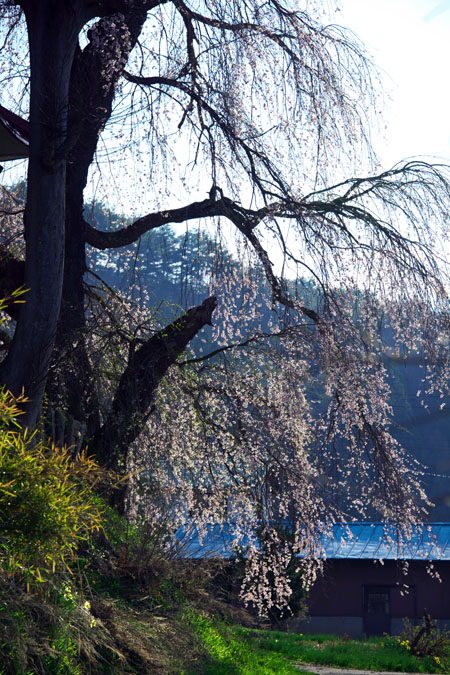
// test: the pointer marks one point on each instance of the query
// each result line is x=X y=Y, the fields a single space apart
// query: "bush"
x=425 y=640
x=47 y=502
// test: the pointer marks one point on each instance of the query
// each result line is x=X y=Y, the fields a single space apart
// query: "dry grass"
x=133 y=623
x=40 y=637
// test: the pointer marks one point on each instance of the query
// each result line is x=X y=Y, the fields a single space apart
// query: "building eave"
x=14 y=136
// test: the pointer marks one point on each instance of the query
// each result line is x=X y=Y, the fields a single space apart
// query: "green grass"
x=376 y=654
x=234 y=650
x=230 y=652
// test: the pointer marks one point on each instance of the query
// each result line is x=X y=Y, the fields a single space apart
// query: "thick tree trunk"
x=70 y=376
x=53 y=27
x=90 y=107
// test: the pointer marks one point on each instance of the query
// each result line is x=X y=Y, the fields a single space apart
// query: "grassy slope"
x=37 y=636
x=114 y=617
x=230 y=653
x=136 y=628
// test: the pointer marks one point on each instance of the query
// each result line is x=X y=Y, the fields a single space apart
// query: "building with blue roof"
x=375 y=541
x=367 y=590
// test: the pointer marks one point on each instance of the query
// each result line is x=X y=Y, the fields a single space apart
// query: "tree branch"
x=336 y=207
x=145 y=368
x=289 y=330
x=130 y=234
x=253 y=154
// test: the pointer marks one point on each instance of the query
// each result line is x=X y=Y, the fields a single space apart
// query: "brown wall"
x=340 y=591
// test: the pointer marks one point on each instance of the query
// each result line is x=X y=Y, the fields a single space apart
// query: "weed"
x=425 y=640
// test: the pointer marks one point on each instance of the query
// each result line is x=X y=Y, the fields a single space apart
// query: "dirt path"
x=328 y=670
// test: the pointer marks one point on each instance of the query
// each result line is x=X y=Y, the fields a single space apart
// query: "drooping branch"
x=279 y=37
x=258 y=339
x=246 y=153
x=324 y=220
x=244 y=219
x=146 y=365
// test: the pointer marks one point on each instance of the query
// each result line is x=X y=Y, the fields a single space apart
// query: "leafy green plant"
x=65 y=658
x=47 y=502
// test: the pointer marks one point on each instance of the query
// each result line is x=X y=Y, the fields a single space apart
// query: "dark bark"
x=130 y=234
x=53 y=27
x=86 y=110
x=145 y=369
x=89 y=109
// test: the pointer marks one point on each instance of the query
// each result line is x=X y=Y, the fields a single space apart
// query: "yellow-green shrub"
x=47 y=502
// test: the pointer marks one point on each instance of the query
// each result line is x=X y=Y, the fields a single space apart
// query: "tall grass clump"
x=47 y=502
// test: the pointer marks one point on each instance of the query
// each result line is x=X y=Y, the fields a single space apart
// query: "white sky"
x=410 y=41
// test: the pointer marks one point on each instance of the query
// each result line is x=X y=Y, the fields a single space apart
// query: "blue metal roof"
x=363 y=541
x=217 y=542
x=372 y=541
